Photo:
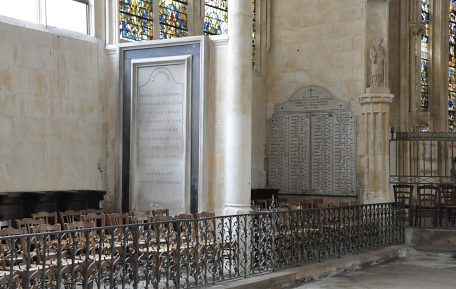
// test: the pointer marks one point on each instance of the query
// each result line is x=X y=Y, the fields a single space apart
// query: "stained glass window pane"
x=425 y=16
x=173 y=18
x=452 y=68
x=215 y=16
x=136 y=19
x=254 y=32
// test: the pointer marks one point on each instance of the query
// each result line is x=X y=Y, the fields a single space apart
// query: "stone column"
x=374 y=121
x=238 y=107
x=374 y=130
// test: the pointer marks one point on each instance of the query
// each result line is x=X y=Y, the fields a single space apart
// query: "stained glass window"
x=136 y=19
x=173 y=18
x=215 y=16
x=254 y=32
x=425 y=16
x=452 y=68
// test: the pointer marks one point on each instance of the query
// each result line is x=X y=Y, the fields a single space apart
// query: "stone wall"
x=52 y=128
x=316 y=42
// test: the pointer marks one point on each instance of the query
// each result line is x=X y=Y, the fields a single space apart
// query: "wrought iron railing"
x=191 y=253
x=422 y=157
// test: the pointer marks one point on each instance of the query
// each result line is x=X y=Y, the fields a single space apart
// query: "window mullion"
x=156 y=17
x=41 y=4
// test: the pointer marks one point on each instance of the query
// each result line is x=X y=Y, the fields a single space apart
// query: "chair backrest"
x=44 y=228
x=78 y=240
x=47 y=217
x=5 y=224
x=140 y=219
x=69 y=217
x=116 y=219
x=11 y=248
x=160 y=212
x=204 y=215
x=80 y=225
x=99 y=219
x=447 y=197
x=427 y=196
x=92 y=211
x=184 y=217
x=403 y=193
x=28 y=223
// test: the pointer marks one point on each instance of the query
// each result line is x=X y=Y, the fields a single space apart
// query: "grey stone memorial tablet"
x=160 y=129
x=311 y=145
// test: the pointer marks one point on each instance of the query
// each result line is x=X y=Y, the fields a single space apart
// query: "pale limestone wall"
x=316 y=42
x=216 y=122
x=52 y=128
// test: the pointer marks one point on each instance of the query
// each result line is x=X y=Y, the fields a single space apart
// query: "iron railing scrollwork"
x=192 y=253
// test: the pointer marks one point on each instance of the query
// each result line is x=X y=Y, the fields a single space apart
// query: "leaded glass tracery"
x=452 y=68
x=215 y=16
x=173 y=18
x=254 y=31
x=425 y=16
x=136 y=19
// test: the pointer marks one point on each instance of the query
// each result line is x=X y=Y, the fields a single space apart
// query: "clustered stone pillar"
x=238 y=107
x=374 y=141
x=374 y=121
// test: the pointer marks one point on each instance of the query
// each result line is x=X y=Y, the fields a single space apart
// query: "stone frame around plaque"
x=160 y=65
x=197 y=48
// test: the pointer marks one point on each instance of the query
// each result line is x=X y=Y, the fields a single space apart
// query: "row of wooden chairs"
x=99 y=218
x=434 y=202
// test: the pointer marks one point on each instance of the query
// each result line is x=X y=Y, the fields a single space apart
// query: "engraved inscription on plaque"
x=311 y=145
x=159 y=152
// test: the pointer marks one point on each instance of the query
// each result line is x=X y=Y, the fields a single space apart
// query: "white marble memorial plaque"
x=160 y=122
x=311 y=144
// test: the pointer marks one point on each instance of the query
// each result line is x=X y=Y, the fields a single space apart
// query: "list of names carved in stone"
x=312 y=151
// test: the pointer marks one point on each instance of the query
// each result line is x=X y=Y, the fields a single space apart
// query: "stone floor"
x=420 y=270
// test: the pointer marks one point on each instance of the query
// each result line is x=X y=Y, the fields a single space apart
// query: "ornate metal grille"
x=183 y=254
x=422 y=157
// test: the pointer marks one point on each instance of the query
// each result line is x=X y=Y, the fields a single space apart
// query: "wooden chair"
x=116 y=219
x=403 y=193
x=47 y=217
x=5 y=224
x=426 y=204
x=87 y=250
x=140 y=219
x=99 y=219
x=140 y=213
x=17 y=257
x=446 y=205
x=91 y=211
x=68 y=217
x=160 y=212
x=28 y=223
x=47 y=244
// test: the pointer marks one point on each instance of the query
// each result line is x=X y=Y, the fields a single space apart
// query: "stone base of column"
x=376 y=197
x=236 y=209
x=373 y=147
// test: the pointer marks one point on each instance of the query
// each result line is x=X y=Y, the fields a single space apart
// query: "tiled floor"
x=420 y=270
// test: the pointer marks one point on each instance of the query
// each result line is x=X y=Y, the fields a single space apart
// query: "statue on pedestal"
x=377 y=57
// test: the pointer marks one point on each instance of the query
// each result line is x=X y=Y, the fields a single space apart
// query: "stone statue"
x=377 y=56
